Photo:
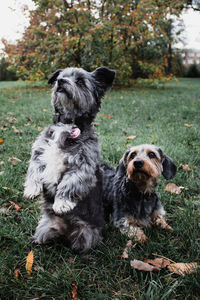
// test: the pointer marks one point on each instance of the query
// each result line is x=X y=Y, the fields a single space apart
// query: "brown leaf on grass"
x=5 y=188
x=126 y=249
x=187 y=125
x=29 y=263
x=4 y=127
x=74 y=292
x=14 y=160
x=183 y=268
x=28 y=121
x=158 y=262
x=71 y=260
x=186 y=167
x=16 y=273
x=16 y=206
x=131 y=137
x=39 y=128
x=143 y=266
x=105 y=116
x=11 y=119
x=1 y=141
x=173 y=188
x=16 y=130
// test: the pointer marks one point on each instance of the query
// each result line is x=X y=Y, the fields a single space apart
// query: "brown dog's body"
x=130 y=190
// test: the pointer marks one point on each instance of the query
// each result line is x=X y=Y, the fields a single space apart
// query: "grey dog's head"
x=77 y=93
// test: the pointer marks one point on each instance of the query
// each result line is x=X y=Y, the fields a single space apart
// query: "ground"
x=168 y=117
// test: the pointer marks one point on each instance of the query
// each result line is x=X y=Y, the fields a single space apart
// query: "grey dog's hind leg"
x=47 y=230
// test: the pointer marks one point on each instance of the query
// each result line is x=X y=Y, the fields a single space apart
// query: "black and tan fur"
x=129 y=191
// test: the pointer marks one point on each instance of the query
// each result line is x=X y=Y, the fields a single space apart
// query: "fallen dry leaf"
x=17 y=273
x=183 y=268
x=158 y=262
x=74 y=292
x=1 y=140
x=4 y=127
x=14 y=160
x=11 y=119
x=39 y=128
x=16 y=206
x=173 y=188
x=105 y=116
x=16 y=130
x=186 y=167
x=5 y=188
x=71 y=260
x=29 y=120
x=142 y=266
x=131 y=137
x=187 y=125
x=29 y=263
x=126 y=249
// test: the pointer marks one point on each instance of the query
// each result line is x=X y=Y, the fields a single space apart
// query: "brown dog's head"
x=145 y=163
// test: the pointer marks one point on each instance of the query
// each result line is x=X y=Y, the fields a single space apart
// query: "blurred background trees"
x=5 y=73
x=134 y=37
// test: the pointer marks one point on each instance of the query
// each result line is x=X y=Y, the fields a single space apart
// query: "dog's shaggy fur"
x=129 y=191
x=66 y=169
x=77 y=94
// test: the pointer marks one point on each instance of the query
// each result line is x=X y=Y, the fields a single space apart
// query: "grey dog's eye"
x=80 y=81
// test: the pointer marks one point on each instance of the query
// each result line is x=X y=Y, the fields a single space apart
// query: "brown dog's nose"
x=138 y=164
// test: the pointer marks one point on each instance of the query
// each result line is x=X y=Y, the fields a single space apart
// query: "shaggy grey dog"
x=64 y=164
x=77 y=94
x=129 y=191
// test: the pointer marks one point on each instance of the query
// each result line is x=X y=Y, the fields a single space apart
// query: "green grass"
x=153 y=116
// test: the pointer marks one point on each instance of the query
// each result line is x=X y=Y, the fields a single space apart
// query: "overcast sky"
x=13 y=22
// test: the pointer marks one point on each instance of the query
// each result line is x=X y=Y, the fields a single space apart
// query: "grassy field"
x=166 y=117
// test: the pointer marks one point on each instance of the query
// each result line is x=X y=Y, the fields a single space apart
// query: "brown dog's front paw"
x=159 y=221
x=137 y=233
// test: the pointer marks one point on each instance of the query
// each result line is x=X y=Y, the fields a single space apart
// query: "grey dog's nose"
x=61 y=81
x=138 y=164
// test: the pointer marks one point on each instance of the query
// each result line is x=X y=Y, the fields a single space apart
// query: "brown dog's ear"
x=54 y=76
x=125 y=156
x=169 y=168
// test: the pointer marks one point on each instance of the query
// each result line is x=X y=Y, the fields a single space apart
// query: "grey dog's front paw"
x=31 y=191
x=61 y=206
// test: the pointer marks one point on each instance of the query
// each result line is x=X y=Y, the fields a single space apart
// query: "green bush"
x=5 y=73
x=193 y=71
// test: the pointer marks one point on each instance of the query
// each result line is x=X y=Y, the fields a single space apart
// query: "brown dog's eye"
x=151 y=155
x=133 y=155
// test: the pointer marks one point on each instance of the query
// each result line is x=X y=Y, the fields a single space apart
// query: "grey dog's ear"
x=54 y=76
x=169 y=168
x=104 y=78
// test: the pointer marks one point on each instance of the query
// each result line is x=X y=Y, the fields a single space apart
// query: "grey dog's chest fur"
x=55 y=162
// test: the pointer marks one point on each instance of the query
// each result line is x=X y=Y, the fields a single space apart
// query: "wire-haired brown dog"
x=129 y=191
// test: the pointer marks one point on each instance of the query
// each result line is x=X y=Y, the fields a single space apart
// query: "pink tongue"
x=75 y=132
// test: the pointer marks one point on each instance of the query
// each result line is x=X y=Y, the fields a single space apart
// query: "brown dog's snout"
x=138 y=164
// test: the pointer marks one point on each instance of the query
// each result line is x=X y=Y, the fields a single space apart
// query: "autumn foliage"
x=127 y=35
